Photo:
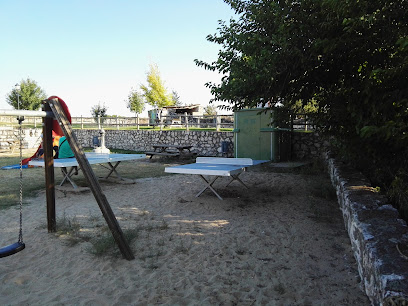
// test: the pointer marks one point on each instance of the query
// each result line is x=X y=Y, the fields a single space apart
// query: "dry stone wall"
x=308 y=146
x=9 y=137
x=204 y=143
x=304 y=145
x=375 y=229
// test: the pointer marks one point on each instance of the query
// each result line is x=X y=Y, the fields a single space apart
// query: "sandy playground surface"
x=274 y=244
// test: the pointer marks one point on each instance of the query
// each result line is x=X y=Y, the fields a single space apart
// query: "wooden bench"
x=152 y=153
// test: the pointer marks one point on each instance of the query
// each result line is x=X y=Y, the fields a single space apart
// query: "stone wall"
x=308 y=146
x=304 y=145
x=375 y=229
x=9 y=137
x=204 y=143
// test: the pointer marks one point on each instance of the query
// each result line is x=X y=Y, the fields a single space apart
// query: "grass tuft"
x=105 y=244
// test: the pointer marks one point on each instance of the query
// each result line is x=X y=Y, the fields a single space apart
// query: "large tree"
x=29 y=95
x=155 y=91
x=342 y=54
x=349 y=57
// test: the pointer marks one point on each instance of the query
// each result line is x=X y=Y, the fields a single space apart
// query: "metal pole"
x=26 y=113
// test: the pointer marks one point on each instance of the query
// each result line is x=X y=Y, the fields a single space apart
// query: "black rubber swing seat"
x=11 y=249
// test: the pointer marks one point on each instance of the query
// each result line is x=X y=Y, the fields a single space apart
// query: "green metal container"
x=253 y=137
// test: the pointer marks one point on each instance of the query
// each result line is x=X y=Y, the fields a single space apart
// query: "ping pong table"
x=112 y=161
x=216 y=167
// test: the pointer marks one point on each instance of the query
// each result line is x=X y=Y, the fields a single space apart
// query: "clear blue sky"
x=91 y=51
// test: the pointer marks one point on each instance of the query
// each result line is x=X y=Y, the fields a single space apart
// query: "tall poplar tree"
x=155 y=92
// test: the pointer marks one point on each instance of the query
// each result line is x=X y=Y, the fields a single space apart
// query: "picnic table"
x=169 y=150
x=112 y=161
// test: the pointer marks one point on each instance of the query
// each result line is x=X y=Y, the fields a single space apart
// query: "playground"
x=281 y=241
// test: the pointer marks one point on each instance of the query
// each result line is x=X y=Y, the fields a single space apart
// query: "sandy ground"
x=274 y=244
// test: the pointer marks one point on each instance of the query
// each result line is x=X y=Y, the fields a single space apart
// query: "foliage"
x=349 y=57
x=176 y=98
x=136 y=102
x=30 y=96
x=155 y=92
x=210 y=110
x=99 y=111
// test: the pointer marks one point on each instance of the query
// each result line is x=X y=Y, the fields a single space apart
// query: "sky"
x=91 y=52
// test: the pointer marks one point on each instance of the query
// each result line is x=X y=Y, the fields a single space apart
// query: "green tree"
x=176 y=98
x=136 y=102
x=349 y=58
x=210 y=110
x=99 y=111
x=30 y=95
x=155 y=92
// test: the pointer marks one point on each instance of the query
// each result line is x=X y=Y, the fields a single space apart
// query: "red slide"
x=57 y=132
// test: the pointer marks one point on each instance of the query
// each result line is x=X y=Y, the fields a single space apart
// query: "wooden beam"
x=49 y=171
x=91 y=179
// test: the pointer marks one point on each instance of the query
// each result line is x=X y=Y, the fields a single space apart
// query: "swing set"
x=53 y=110
x=19 y=245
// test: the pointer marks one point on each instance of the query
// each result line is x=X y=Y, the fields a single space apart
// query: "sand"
x=277 y=243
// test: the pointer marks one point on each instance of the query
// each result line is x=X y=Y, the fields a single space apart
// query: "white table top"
x=218 y=166
x=230 y=161
x=93 y=158
x=206 y=169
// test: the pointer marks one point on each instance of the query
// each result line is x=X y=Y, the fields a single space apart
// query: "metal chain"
x=20 y=236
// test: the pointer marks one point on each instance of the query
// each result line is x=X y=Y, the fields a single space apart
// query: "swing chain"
x=20 y=120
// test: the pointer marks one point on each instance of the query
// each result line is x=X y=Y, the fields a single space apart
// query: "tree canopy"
x=176 y=98
x=99 y=111
x=349 y=57
x=136 y=102
x=30 y=95
x=210 y=110
x=155 y=92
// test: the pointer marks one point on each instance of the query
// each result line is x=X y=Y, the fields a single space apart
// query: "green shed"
x=253 y=136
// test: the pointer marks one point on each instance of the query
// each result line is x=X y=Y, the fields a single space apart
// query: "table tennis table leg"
x=112 y=169
x=67 y=176
x=236 y=178
x=209 y=186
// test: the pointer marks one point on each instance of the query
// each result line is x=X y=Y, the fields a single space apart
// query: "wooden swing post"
x=47 y=118
x=94 y=185
x=49 y=170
